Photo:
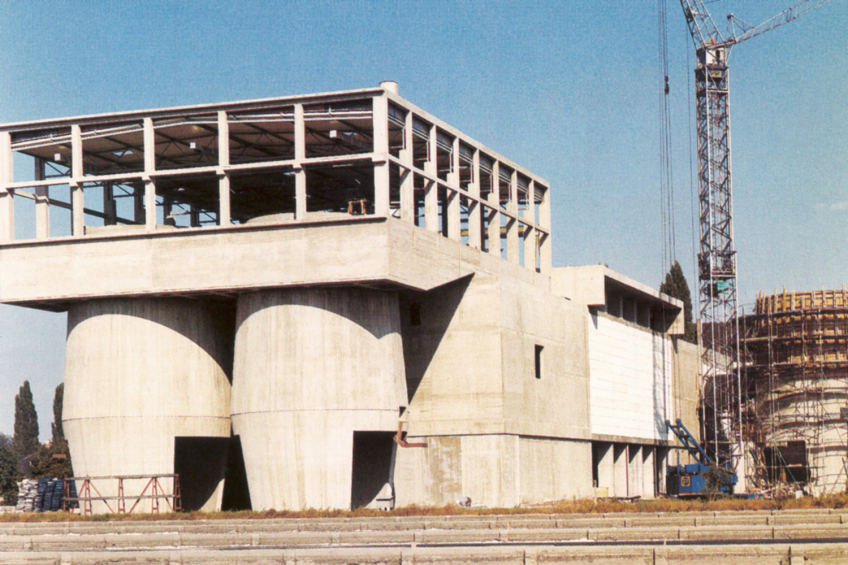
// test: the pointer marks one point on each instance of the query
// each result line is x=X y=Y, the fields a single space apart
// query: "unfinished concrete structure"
x=796 y=393
x=321 y=275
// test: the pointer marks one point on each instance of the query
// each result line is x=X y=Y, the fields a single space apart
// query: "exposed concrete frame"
x=536 y=232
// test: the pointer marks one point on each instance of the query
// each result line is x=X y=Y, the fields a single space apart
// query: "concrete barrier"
x=743 y=538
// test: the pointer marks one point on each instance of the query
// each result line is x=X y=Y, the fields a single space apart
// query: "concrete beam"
x=128 y=262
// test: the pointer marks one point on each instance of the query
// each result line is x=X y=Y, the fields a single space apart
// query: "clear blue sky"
x=568 y=89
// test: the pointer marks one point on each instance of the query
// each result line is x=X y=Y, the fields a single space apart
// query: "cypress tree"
x=56 y=427
x=675 y=285
x=26 y=423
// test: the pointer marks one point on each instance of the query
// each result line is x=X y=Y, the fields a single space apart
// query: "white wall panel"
x=629 y=379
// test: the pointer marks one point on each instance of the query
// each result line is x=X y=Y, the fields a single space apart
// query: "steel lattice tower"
x=721 y=388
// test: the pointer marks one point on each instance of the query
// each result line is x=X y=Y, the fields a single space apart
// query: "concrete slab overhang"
x=371 y=251
x=594 y=284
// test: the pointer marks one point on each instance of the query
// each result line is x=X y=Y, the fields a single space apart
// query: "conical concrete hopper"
x=145 y=379
x=317 y=387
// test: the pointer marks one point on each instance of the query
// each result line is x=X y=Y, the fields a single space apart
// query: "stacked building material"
x=41 y=495
x=27 y=491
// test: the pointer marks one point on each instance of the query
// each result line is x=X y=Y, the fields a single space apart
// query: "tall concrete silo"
x=318 y=376
x=146 y=379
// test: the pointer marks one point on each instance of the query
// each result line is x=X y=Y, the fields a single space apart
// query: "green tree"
x=675 y=285
x=9 y=475
x=26 y=423
x=54 y=459
x=56 y=427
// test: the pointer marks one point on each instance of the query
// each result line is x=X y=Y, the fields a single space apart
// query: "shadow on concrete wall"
x=425 y=317
x=236 y=491
x=222 y=312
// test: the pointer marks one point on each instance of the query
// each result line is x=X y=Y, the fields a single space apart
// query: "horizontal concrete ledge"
x=686 y=520
x=374 y=251
x=432 y=537
x=777 y=554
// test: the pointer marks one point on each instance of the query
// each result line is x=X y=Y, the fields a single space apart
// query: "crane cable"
x=669 y=246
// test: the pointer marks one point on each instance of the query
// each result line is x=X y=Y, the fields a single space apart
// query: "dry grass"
x=575 y=506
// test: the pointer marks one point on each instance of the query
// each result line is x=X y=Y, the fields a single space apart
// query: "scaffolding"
x=795 y=391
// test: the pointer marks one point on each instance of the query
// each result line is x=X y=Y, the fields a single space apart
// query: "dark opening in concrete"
x=200 y=463
x=372 y=467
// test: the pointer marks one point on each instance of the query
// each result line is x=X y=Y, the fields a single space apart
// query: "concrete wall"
x=500 y=470
x=312 y=366
x=470 y=364
x=495 y=432
x=138 y=374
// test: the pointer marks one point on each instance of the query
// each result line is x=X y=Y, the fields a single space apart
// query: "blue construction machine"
x=690 y=480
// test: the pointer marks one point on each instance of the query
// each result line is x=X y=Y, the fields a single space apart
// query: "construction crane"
x=720 y=379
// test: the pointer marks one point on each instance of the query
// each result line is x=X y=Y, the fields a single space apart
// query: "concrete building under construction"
x=796 y=393
x=341 y=295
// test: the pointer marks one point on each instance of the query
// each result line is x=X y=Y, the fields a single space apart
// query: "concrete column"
x=431 y=191
x=42 y=213
x=527 y=214
x=431 y=205
x=545 y=243
x=494 y=234
x=661 y=468
x=381 y=188
x=529 y=247
x=149 y=145
x=512 y=240
x=7 y=204
x=77 y=198
x=299 y=156
x=512 y=206
x=380 y=124
x=42 y=205
x=110 y=209
x=512 y=225
x=299 y=133
x=453 y=175
x=454 y=216
x=140 y=373
x=649 y=487
x=407 y=190
x=313 y=366
x=224 y=214
x=634 y=470
x=475 y=236
x=149 y=167
x=150 y=205
x=620 y=470
x=223 y=162
x=138 y=204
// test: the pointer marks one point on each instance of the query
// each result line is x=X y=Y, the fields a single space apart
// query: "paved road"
x=810 y=537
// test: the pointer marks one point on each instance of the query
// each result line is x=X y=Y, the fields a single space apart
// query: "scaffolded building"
x=332 y=300
x=796 y=398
